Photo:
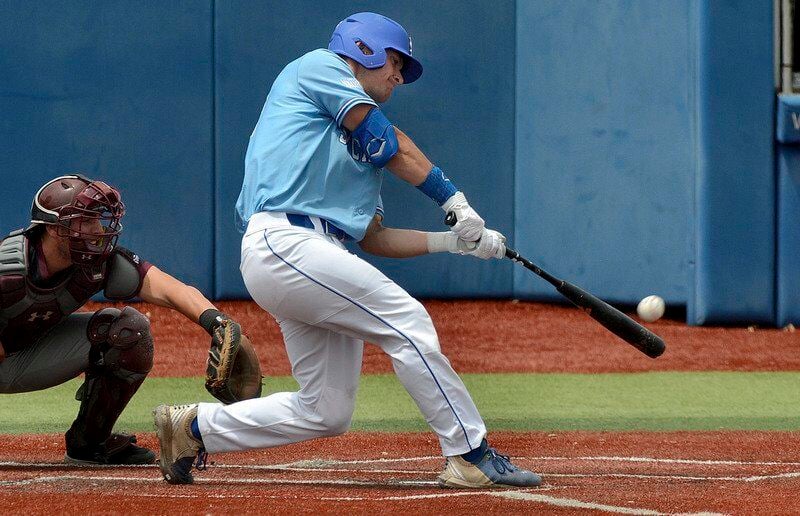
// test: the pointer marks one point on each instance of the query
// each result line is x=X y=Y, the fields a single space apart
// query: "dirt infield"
x=363 y=473
x=510 y=337
x=359 y=473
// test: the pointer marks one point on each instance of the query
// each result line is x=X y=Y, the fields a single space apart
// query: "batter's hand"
x=491 y=245
x=469 y=225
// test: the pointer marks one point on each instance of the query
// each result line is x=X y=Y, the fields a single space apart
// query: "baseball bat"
x=612 y=319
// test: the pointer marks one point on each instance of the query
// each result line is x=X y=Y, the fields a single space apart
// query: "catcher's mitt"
x=232 y=370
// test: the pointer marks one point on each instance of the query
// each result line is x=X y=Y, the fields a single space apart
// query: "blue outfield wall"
x=121 y=92
x=605 y=146
x=788 y=235
x=623 y=145
x=734 y=225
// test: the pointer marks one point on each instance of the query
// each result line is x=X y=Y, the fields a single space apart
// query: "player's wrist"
x=440 y=242
x=457 y=198
x=438 y=187
x=211 y=319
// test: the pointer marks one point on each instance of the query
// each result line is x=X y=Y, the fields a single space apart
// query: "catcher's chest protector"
x=26 y=311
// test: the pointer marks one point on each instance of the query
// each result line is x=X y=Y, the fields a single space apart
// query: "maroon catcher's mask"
x=86 y=212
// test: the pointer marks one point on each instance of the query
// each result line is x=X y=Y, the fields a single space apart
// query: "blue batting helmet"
x=377 y=33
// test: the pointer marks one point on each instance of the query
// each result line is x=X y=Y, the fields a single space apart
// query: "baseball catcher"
x=47 y=272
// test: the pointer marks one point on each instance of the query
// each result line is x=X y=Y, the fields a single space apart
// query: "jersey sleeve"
x=328 y=81
x=125 y=275
x=379 y=208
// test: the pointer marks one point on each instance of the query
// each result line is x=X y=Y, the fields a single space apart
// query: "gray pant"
x=57 y=357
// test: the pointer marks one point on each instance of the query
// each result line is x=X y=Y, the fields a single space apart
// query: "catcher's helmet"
x=376 y=33
x=85 y=211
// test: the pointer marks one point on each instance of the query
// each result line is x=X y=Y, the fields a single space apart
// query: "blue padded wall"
x=734 y=251
x=788 y=262
x=460 y=113
x=122 y=92
x=605 y=146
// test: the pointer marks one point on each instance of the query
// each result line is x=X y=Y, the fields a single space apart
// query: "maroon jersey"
x=30 y=306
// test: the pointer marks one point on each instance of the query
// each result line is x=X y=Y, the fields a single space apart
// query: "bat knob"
x=450 y=219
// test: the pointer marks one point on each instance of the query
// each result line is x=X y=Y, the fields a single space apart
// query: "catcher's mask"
x=86 y=212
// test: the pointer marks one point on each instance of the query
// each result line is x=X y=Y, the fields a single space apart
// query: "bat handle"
x=511 y=254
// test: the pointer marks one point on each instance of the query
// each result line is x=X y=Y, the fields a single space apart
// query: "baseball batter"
x=47 y=272
x=313 y=173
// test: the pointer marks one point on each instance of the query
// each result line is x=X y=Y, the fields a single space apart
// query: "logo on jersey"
x=357 y=151
x=350 y=82
x=36 y=315
x=353 y=146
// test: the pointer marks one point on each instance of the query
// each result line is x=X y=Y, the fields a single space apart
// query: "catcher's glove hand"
x=232 y=370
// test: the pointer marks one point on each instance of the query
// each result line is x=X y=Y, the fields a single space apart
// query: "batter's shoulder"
x=321 y=58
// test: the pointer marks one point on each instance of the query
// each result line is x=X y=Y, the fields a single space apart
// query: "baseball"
x=650 y=308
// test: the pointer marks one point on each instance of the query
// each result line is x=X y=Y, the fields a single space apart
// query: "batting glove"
x=469 y=225
x=491 y=245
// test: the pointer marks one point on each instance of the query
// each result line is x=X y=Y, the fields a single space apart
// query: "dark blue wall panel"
x=120 y=91
x=460 y=113
x=787 y=282
x=605 y=146
x=734 y=253
x=788 y=263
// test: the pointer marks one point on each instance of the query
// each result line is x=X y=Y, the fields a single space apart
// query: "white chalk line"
x=673 y=461
x=316 y=463
x=222 y=481
x=557 y=458
x=511 y=495
x=327 y=466
x=671 y=477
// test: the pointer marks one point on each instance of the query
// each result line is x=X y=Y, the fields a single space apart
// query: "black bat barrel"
x=618 y=323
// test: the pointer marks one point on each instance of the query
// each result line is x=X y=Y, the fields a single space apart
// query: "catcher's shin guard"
x=120 y=358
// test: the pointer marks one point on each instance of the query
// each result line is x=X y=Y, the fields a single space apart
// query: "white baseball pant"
x=327 y=301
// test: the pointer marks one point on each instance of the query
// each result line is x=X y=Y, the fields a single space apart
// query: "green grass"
x=642 y=401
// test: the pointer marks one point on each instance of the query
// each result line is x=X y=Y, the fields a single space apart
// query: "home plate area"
x=367 y=477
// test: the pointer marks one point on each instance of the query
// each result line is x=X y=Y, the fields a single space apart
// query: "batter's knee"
x=333 y=412
x=337 y=424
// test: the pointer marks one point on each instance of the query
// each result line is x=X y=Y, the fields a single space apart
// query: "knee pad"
x=124 y=341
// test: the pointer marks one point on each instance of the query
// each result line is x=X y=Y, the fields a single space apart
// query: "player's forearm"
x=190 y=302
x=162 y=289
x=395 y=243
x=409 y=164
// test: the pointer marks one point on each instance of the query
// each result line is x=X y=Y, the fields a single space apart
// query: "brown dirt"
x=503 y=336
x=651 y=473
x=728 y=472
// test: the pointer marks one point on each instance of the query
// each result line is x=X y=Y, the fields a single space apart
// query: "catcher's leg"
x=120 y=358
x=59 y=356
x=327 y=367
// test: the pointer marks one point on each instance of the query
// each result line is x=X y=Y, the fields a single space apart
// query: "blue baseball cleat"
x=492 y=470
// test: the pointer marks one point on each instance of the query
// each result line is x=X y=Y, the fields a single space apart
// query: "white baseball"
x=650 y=308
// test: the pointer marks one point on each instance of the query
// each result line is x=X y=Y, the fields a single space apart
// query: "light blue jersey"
x=299 y=159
